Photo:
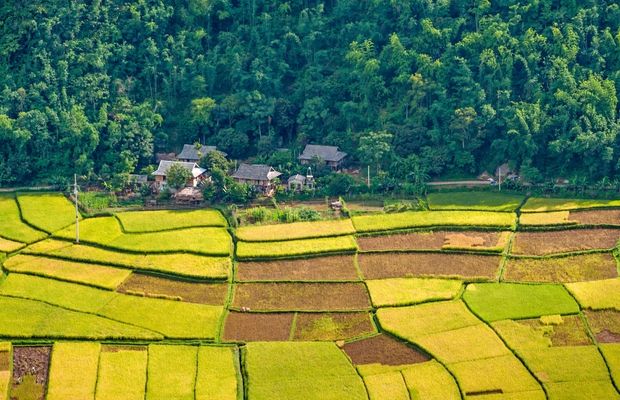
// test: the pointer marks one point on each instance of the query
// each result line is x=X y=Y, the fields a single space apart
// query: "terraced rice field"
x=466 y=301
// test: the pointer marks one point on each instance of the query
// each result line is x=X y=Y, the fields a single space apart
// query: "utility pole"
x=77 y=212
x=368 y=176
x=499 y=175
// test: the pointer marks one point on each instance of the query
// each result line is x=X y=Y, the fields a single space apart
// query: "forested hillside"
x=98 y=86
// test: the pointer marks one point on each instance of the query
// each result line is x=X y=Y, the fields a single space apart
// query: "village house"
x=194 y=152
x=329 y=154
x=198 y=174
x=298 y=182
x=260 y=176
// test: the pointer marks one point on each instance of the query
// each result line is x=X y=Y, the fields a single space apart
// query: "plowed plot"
x=332 y=326
x=587 y=267
x=541 y=243
x=30 y=372
x=301 y=296
x=384 y=350
x=150 y=286
x=596 y=217
x=435 y=241
x=396 y=265
x=336 y=268
x=245 y=327
x=605 y=325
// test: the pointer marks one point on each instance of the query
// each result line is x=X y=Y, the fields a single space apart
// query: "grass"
x=405 y=291
x=597 y=295
x=161 y=220
x=189 y=265
x=46 y=211
x=424 y=319
x=106 y=231
x=296 y=230
x=611 y=352
x=21 y=318
x=11 y=225
x=497 y=301
x=503 y=373
x=28 y=389
x=388 y=386
x=90 y=274
x=216 y=377
x=73 y=371
x=312 y=370
x=290 y=248
x=546 y=218
x=122 y=374
x=539 y=204
x=171 y=372
x=171 y=318
x=9 y=246
x=430 y=380
x=484 y=201
x=424 y=219
x=586 y=267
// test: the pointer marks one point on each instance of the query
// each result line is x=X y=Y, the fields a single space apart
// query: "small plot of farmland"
x=556 y=330
x=245 y=327
x=334 y=268
x=9 y=246
x=546 y=219
x=296 y=230
x=485 y=201
x=183 y=264
x=312 y=370
x=598 y=217
x=398 y=265
x=597 y=295
x=30 y=372
x=438 y=240
x=46 y=211
x=162 y=220
x=427 y=219
x=605 y=325
x=301 y=296
x=611 y=352
x=541 y=243
x=293 y=248
x=538 y=204
x=5 y=368
x=121 y=373
x=405 y=291
x=73 y=371
x=332 y=326
x=171 y=372
x=11 y=225
x=385 y=350
x=192 y=292
x=585 y=267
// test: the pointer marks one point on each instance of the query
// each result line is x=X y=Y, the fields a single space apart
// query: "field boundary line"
x=291 y=335
x=505 y=254
x=563 y=255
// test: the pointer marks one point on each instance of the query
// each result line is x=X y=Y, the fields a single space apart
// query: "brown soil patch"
x=151 y=286
x=397 y=265
x=605 y=325
x=301 y=296
x=571 y=332
x=33 y=361
x=430 y=241
x=110 y=348
x=245 y=327
x=586 y=267
x=336 y=268
x=5 y=362
x=332 y=326
x=541 y=243
x=384 y=350
x=596 y=217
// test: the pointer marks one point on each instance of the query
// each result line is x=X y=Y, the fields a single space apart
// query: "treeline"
x=415 y=88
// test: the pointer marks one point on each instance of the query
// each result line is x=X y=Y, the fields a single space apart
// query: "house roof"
x=190 y=152
x=258 y=172
x=193 y=168
x=297 y=178
x=326 y=153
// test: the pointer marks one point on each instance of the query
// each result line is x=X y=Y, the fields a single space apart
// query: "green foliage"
x=177 y=176
x=97 y=201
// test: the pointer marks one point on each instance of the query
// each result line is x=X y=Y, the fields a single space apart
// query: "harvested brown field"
x=301 y=296
x=541 y=243
x=245 y=327
x=605 y=325
x=334 y=268
x=596 y=217
x=435 y=241
x=382 y=349
x=191 y=292
x=568 y=330
x=402 y=265
x=31 y=368
x=332 y=326
x=585 y=267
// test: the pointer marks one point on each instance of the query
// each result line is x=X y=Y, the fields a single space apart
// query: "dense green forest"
x=432 y=86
